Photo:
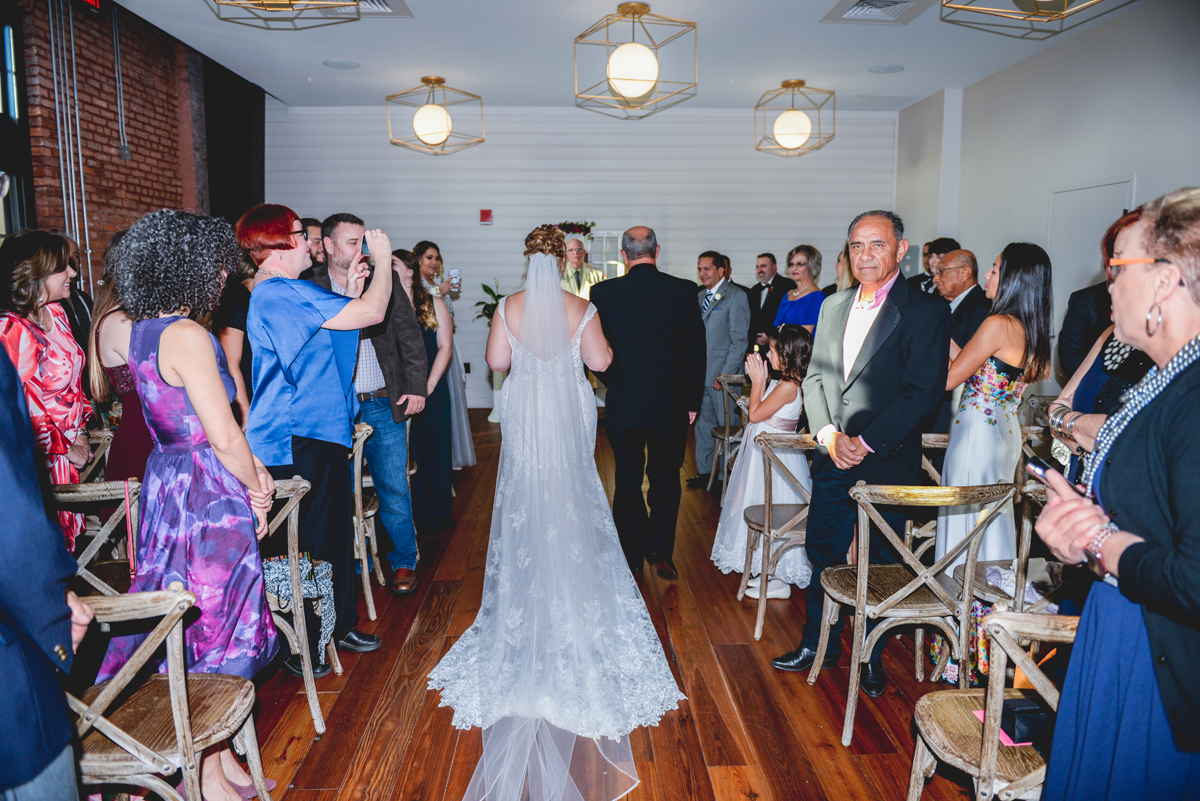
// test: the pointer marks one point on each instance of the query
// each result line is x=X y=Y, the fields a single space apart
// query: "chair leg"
x=712 y=471
x=856 y=660
x=374 y=540
x=725 y=472
x=247 y=742
x=360 y=553
x=918 y=653
x=764 y=579
x=191 y=778
x=829 y=616
x=923 y=767
x=752 y=539
x=310 y=684
x=334 y=661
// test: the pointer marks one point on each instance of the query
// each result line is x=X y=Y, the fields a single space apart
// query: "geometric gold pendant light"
x=434 y=118
x=794 y=119
x=1022 y=10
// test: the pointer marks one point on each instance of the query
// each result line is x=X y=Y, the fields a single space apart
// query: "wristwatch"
x=1094 y=558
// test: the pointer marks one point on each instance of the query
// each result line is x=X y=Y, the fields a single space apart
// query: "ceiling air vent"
x=370 y=8
x=876 y=12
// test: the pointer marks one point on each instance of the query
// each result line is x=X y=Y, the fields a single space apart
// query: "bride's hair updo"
x=546 y=239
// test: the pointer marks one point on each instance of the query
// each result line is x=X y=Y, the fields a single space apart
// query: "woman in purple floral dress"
x=203 y=488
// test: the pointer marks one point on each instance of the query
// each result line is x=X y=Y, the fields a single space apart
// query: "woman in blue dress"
x=1128 y=722
x=802 y=305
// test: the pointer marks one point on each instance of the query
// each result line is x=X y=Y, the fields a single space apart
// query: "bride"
x=562 y=661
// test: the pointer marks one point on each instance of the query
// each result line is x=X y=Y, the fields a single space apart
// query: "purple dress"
x=195 y=527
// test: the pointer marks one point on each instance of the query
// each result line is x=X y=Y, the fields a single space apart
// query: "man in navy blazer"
x=38 y=631
x=878 y=371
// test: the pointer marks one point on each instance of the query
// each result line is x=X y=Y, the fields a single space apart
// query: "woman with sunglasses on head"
x=1109 y=370
x=1128 y=721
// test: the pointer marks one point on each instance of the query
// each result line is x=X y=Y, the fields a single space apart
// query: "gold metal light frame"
x=633 y=22
x=433 y=91
x=298 y=15
x=819 y=104
x=286 y=5
x=1023 y=10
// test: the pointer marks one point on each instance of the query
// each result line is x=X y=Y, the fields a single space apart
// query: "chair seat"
x=948 y=724
x=219 y=704
x=756 y=517
x=114 y=573
x=841 y=582
x=735 y=433
x=370 y=505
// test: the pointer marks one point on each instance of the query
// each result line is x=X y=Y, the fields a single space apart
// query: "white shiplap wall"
x=691 y=174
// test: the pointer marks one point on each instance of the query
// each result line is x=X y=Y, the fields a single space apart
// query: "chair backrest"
x=100 y=440
x=171 y=605
x=1039 y=406
x=867 y=496
x=731 y=390
x=83 y=497
x=1008 y=630
x=770 y=443
x=362 y=432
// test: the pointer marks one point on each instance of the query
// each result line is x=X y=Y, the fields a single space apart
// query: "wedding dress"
x=562 y=661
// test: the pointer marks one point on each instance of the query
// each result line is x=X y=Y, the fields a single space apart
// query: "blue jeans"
x=387 y=454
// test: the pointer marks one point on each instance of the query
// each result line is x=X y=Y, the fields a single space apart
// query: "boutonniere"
x=716 y=297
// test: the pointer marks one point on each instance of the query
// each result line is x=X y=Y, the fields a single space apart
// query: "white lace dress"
x=563 y=648
x=746 y=488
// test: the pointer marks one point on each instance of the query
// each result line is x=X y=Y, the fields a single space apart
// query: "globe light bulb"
x=632 y=70
x=432 y=124
x=792 y=129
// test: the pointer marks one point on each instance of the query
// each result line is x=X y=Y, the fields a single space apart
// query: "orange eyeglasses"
x=1114 y=266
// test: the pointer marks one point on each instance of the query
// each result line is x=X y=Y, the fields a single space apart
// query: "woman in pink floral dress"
x=34 y=273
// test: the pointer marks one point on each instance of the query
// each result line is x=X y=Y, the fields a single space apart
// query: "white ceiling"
x=521 y=53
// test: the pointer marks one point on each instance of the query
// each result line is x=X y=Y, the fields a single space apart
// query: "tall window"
x=16 y=157
x=11 y=104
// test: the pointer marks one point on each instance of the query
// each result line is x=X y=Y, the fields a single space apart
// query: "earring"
x=1151 y=332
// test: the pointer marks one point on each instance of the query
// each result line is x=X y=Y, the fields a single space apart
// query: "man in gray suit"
x=726 y=313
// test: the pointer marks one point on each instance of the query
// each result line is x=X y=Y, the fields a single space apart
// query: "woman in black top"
x=1128 y=723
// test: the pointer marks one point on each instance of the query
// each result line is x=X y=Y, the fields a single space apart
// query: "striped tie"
x=707 y=302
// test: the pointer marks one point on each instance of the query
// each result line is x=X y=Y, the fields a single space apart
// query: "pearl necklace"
x=263 y=271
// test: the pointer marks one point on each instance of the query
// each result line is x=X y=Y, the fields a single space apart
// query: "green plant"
x=487 y=308
x=580 y=228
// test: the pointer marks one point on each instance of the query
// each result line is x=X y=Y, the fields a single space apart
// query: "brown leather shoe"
x=404 y=581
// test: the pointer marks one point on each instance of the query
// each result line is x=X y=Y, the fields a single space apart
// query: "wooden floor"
x=747 y=731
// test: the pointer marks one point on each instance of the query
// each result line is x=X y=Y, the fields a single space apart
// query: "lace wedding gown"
x=562 y=661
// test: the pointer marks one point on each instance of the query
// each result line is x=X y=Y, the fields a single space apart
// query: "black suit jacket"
x=1148 y=487
x=923 y=282
x=399 y=346
x=964 y=322
x=653 y=323
x=35 y=624
x=894 y=386
x=762 y=320
x=1089 y=312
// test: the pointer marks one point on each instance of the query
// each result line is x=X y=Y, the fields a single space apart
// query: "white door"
x=1079 y=216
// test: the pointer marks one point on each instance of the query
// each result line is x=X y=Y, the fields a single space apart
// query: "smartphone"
x=1038 y=467
x=365 y=251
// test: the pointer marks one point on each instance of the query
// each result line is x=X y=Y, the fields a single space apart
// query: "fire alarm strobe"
x=485 y=216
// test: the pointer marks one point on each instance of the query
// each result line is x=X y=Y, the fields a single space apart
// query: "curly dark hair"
x=794 y=345
x=27 y=259
x=171 y=260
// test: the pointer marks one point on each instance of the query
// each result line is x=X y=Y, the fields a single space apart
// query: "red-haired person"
x=304 y=340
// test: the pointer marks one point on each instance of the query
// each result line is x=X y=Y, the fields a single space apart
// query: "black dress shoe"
x=698 y=481
x=665 y=568
x=355 y=640
x=802 y=659
x=295 y=666
x=873 y=680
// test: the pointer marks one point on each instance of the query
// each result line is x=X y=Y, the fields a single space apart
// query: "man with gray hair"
x=956 y=278
x=578 y=275
x=655 y=385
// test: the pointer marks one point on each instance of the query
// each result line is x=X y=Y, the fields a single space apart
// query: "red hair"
x=266 y=228
x=1108 y=242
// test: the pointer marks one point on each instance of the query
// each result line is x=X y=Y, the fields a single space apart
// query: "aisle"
x=747 y=731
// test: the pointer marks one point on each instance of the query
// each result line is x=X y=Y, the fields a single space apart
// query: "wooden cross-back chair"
x=949 y=731
x=727 y=435
x=137 y=733
x=291 y=491
x=777 y=527
x=365 y=510
x=100 y=440
x=908 y=593
x=110 y=576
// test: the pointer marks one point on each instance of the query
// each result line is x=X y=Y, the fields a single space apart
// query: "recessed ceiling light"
x=882 y=69
x=341 y=64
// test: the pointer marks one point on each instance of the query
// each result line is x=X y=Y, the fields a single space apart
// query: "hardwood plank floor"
x=746 y=733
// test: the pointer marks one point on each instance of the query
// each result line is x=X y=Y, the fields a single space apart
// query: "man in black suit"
x=957 y=280
x=931 y=254
x=1089 y=312
x=878 y=370
x=655 y=386
x=765 y=297
x=41 y=624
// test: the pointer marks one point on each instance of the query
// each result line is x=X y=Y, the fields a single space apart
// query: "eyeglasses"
x=940 y=273
x=798 y=264
x=302 y=233
x=1115 y=266
x=575 y=250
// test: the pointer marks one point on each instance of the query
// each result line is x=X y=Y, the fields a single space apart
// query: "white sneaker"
x=754 y=581
x=775 y=589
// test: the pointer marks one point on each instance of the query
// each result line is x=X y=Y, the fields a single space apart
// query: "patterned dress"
x=195 y=527
x=50 y=365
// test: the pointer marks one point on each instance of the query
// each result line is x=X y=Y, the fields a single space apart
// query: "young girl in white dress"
x=774 y=407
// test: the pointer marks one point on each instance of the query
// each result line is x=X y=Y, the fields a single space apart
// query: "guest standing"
x=765 y=297
x=957 y=280
x=205 y=496
x=1089 y=311
x=802 y=305
x=462 y=447
x=229 y=324
x=579 y=276
x=1128 y=722
x=432 y=497
x=1010 y=351
x=35 y=271
x=305 y=342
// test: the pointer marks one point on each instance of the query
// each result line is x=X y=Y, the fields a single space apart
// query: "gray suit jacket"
x=727 y=331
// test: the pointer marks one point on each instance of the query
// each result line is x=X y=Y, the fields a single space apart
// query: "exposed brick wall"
x=158 y=124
